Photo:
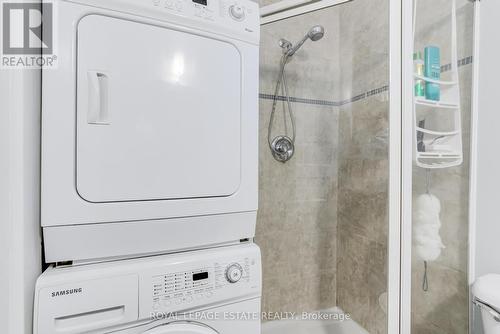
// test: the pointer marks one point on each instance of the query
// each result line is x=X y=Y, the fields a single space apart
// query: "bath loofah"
x=426 y=225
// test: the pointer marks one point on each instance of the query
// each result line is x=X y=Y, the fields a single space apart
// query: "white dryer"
x=201 y=292
x=149 y=127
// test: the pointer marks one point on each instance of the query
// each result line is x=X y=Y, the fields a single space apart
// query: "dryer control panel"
x=239 y=14
x=208 y=9
x=229 y=17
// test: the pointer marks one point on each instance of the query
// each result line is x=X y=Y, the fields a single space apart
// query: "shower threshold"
x=309 y=325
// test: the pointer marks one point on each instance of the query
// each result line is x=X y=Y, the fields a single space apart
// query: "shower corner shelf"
x=444 y=147
x=439 y=82
x=436 y=104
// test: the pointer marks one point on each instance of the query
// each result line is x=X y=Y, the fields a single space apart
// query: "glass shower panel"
x=323 y=215
x=440 y=295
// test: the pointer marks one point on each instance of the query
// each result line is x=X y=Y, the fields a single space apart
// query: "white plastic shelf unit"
x=442 y=145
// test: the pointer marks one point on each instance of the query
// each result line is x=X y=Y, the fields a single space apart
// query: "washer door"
x=182 y=328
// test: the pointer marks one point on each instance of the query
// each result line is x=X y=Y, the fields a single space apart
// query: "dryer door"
x=182 y=328
x=158 y=113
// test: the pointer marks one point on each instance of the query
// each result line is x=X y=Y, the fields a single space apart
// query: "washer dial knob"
x=237 y=12
x=234 y=272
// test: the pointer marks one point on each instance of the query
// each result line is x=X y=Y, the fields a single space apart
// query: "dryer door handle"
x=98 y=109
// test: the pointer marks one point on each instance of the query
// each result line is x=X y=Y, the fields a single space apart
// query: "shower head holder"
x=282 y=148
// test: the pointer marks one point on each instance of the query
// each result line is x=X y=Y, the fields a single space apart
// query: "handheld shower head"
x=314 y=34
x=283 y=146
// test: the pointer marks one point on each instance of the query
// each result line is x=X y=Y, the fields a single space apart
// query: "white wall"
x=20 y=241
x=487 y=243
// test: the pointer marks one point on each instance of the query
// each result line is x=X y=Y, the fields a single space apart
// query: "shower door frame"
x=400 y=145
x=287 y=8
x=406 y=139
x=400 y=160
x=407 y=165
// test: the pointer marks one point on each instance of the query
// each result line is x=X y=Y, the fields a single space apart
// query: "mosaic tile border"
x=300 y=100
x=445 y=68
x=461 y=62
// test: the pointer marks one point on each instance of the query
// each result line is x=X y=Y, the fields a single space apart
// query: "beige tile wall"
x=297 y=221
x=322 y=222
x=363 y=161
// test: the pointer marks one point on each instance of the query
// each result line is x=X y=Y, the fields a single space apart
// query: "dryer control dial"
x=237 y=12
x=234 y=272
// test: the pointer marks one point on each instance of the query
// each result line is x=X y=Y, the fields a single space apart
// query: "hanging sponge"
x=426 y=225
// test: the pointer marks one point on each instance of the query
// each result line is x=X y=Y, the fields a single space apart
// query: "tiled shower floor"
x=313 y=326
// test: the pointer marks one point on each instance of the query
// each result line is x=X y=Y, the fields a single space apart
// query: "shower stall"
x=339 y=179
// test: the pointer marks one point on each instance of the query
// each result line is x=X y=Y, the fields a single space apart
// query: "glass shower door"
x=329 y=214
x=440 y=132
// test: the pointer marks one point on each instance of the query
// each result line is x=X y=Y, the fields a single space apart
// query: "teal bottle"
x=432 y=59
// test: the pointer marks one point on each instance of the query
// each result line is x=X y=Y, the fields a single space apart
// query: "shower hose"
x=280 y=146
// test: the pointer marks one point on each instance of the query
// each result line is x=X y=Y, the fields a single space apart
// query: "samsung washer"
x=215 y=291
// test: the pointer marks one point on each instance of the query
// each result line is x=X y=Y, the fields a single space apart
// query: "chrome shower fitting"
x=283 y=146
x=285 y=45
x=314 y=34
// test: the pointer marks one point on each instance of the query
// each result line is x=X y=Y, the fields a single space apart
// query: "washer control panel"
x=183 y=287
x=209 y=283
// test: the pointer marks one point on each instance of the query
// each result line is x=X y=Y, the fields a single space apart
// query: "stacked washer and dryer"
x=150 y=169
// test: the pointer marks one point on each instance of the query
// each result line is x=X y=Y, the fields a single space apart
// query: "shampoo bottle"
x=432 y=70
x=419 y=71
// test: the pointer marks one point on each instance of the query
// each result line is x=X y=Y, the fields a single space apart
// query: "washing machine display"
x=201 y=2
